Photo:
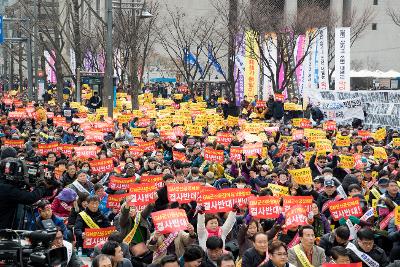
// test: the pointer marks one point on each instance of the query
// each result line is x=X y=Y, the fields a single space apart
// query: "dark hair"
x=225 y=257
x=97 y=187
x=61 y=162
x=53 y=153
x=93 y=198
x=275 y=245
x=365 y=234
x=302 y=228
x=214 y=242
x=167 y=177
x=168 y=259
x=83 y=197
x=43 y=203
x=393 y=181
x=354 y=186
x=209 y=217
x=339 y=251
x=71 y=163
x=98 y=258
x=116 y=236
x=109 y=248
x=343 y=232
x=192 y=253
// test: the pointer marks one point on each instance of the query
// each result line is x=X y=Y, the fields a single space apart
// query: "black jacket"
x=377 y=254
x=10 y=197
x=97 y=217
x=327 y=242
x=322 y=199
x=252 y=258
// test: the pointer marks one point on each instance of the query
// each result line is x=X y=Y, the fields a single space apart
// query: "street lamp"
x=108 y=77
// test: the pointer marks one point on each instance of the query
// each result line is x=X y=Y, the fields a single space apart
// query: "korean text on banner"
x=251 y=73
x=302 y=176
x=183 y=193
x=101 y=165
x=114 y=201
x=322 y=47
x=170 y=220
x=357 y=264
x=345 y=208
x=397 y=216
x=296 y=216
x=119 y=183
x=278 y=190
x=291 y=201
x=213 y=155
x=342 y=59
x=223 y=200
x=156 y=179
x=266 y=207
x=96 y=236
x=271 y=52
x=142 y=194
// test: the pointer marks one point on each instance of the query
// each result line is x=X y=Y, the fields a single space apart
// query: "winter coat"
x=252 y=258
x=318 y=256
x=377 y=254
x=126 y=223
x=97 y=217
x=60 y=208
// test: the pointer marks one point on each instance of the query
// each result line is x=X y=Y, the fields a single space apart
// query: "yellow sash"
x=302 y=256
x=88 y=220
x=375 y=192
x=131 y=234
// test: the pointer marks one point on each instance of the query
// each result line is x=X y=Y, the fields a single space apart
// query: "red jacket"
x=60 y=208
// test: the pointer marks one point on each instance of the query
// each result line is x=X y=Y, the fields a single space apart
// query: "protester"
x=229 y=182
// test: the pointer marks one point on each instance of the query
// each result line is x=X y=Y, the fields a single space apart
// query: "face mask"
x=383 y=190
x=240 y=185
x=85 y=169
x=158 y=170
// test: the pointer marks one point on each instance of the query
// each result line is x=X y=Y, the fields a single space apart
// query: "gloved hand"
x=342 y=221
x=200 y=209
x=235 y=208
x=281 y=219
x=354 y=220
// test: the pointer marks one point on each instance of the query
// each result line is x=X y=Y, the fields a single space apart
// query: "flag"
x=191 y=59
x=214 y=62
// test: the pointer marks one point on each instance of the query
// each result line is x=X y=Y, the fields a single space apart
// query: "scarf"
x=217 y=232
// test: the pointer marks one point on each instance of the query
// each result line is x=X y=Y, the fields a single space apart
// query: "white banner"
x=271 y=53
x=72 y=61
x=342 y=59
x=382 y=108
x=322 y=43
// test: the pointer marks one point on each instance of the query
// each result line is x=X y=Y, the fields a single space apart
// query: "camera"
x=36 y=252
x=25 y=175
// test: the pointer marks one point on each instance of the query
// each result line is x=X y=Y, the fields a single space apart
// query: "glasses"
x=367 y=243
x=280 y=254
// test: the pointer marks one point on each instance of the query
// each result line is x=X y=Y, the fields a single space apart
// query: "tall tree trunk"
x=77 y=33
x=133 y=79
x=232 y=28
x=20 y=73
x=58 y=67
x=12 y=66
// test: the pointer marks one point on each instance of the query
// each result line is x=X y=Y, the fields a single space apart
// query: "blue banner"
x=1 y=30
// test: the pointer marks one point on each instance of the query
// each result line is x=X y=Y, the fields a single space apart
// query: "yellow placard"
x=278 y=190
x=342 y=140
x=178 y=96
x=347 y=162
x=292 y=106
x=136 y=132
x=396 y=141
x=380 y=153
x=124 y=118
x=232 y=121
x=380 y=134
x=397 y=215
x=302 y=176
x=314 y=134
x=323 y=145
x=194 y=130
x=308 y=155
x=374 y=202
x=296 y=122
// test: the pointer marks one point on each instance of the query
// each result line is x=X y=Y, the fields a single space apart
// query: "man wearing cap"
x=317 y=164
x=383 y=184
x=328 y=195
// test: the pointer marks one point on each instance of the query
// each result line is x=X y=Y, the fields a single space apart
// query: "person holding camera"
x=12 y=195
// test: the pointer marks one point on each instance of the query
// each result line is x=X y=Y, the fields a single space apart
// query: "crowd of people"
x=160 y=140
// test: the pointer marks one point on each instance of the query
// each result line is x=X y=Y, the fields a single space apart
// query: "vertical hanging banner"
x=251 y=73
x=239 y=68
x=342 y=59
x=50 y=66
x=1 y=30
x=322 y=43
x=271 y=54
x=299 y=55
x=72 y=60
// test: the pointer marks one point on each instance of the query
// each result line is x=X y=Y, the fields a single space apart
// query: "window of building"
x=375 y=2
x=374 y=26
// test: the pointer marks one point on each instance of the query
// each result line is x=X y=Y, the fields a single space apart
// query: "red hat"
x=392 y=160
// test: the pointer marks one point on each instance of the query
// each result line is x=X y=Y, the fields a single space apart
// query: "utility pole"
x=36 y=48
x=108 y=77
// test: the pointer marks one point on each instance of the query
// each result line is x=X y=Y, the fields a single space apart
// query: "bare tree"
x=394 y=14
x=181 y=38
